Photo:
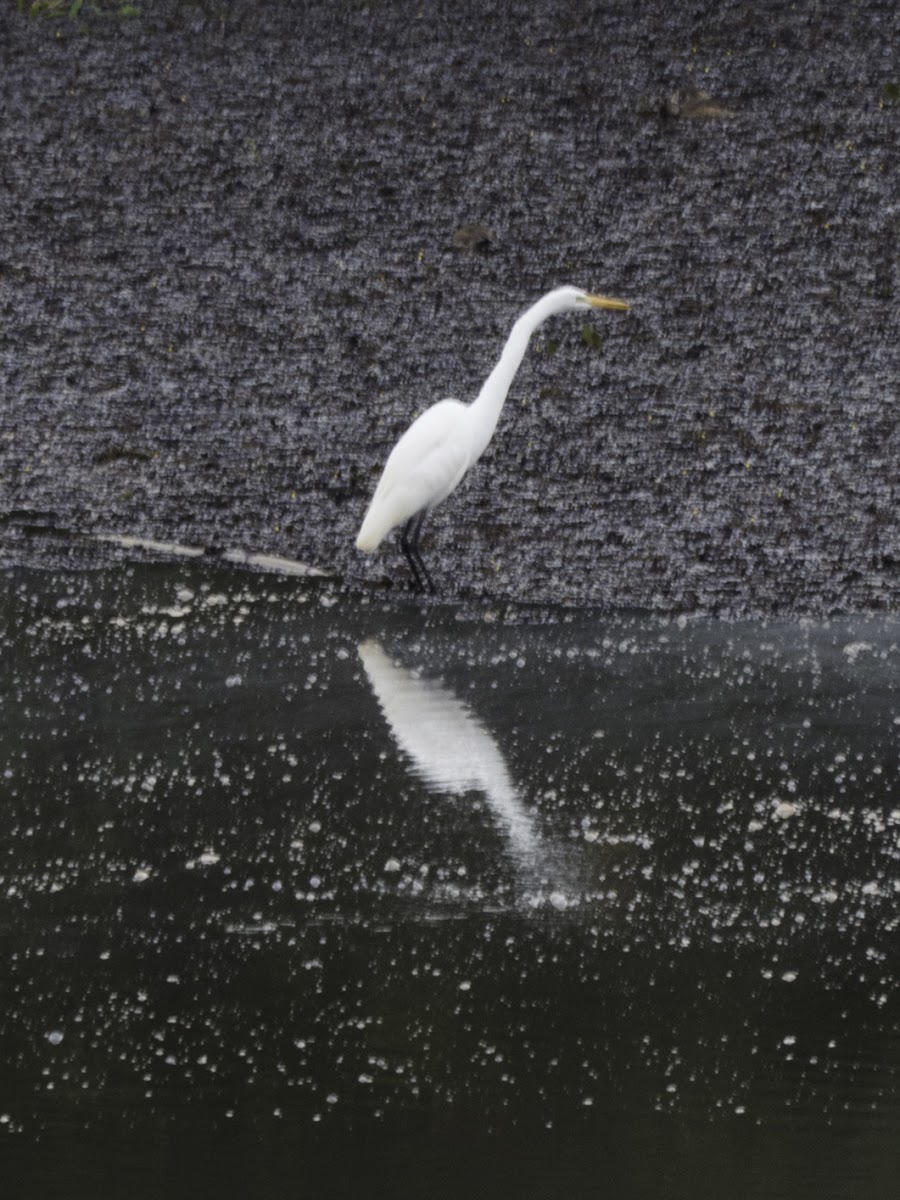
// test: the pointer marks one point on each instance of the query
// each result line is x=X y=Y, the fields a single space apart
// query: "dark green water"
x=306 y=894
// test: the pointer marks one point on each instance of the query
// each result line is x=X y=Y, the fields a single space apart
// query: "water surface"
x=316 y=894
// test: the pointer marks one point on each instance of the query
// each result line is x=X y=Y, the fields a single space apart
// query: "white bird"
x=434 y=454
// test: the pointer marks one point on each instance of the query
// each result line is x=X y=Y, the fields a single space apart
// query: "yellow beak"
x=608 y=302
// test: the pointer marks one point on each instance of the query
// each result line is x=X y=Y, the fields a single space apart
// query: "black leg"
x=423 y=570
x=409 y=544
x=406 y=547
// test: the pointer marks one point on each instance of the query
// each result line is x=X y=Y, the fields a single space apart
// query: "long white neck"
x=486 y=408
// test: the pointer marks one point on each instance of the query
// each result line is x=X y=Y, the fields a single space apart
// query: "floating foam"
x=266 y=562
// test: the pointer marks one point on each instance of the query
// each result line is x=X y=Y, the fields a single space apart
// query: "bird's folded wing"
x=429 y=460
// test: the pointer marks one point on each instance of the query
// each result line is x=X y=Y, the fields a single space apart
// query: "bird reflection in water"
x=452 y=752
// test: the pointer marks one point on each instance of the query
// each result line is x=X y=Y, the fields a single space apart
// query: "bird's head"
x=580 y=299
x=564 y=299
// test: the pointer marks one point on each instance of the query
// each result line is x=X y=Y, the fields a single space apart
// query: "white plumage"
x=434 y=454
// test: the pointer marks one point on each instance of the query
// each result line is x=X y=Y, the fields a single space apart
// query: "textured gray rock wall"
x=228 y=282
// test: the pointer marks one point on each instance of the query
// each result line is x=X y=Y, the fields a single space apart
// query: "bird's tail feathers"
x=372 y=532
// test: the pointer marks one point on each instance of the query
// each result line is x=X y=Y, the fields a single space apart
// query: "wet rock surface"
x=228 y=281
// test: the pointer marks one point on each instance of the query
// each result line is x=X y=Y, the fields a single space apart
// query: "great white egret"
x=434 y=454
